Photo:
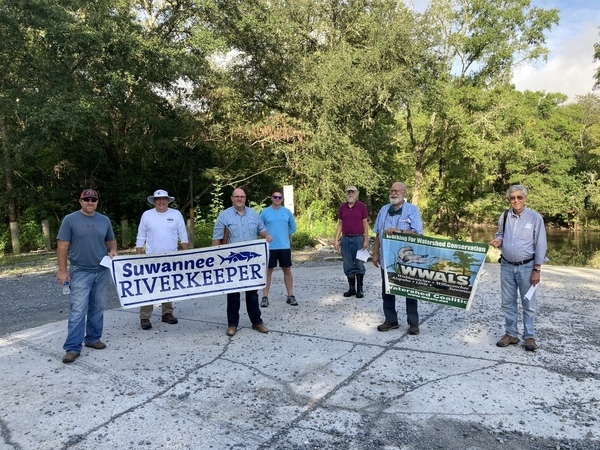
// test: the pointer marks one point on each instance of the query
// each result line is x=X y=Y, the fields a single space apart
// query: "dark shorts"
x=284 y=256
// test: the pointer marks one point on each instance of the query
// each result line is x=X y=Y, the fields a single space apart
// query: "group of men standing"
x=86 y=237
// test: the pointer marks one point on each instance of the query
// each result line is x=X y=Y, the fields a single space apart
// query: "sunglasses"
x=516 y=197
x=88 y=199
x=276 y=197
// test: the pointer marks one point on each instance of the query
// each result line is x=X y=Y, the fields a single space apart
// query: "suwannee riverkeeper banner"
x=169 y=277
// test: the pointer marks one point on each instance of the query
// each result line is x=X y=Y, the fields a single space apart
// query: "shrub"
x=301 y=240
x=202 y=233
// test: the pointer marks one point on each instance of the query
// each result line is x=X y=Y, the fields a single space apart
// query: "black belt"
x=354 y=235
x=518 y=263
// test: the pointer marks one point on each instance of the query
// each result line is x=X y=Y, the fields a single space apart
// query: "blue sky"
x=570 y=67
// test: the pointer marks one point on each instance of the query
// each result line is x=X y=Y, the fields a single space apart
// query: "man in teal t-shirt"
x=281 y=225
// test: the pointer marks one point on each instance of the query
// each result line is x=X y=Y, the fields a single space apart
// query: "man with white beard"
x=397 y=217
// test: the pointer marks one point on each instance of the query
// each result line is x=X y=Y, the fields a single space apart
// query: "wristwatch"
x=537 y=270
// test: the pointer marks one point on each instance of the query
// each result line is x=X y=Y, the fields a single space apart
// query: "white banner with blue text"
x=169 y=277
x=431 y=269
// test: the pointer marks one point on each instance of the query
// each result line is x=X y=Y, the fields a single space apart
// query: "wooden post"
x=190 y=232
x=124 y=241
x=14 y=237
x=46 y=232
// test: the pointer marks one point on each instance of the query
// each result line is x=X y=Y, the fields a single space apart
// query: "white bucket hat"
x=160 y=193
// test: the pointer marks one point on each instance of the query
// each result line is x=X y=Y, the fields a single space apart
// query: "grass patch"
x=28 y=263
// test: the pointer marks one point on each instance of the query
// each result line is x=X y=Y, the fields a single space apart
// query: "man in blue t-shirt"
x=84 y=238
x=281 y=225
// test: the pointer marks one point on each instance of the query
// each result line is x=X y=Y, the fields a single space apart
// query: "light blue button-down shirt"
x=524 y=236
x=242 y=227
x=409 y=219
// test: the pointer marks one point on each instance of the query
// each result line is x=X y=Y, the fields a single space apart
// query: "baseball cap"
x=89 y=193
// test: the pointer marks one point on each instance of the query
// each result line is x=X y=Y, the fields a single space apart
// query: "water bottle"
x=66 y=288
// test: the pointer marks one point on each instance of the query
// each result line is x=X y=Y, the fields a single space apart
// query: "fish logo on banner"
x=240 y=256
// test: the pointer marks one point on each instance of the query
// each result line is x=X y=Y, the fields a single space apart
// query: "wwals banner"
x=169 y=277
x=431 y=269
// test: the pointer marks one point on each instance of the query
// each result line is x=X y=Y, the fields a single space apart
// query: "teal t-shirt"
x=280 y=224
x=87 y=237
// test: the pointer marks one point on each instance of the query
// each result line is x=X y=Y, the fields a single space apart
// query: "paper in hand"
x=363 y=255
x=530 y=292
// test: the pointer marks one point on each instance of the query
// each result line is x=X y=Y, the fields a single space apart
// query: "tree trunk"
x=124 y=233
x=46 y=231
x=8 y=175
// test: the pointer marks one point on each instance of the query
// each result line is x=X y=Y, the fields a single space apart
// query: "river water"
x=565 y=248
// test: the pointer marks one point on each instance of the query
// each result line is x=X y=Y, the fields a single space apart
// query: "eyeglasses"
x=276 y=197
x=516 y=197
x=88 y=199
x=161 y=199
x=238 y=196
x=350 y=192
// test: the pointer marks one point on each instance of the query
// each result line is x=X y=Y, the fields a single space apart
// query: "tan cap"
x=351 y=188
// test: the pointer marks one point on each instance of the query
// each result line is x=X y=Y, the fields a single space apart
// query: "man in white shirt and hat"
x=161 y=230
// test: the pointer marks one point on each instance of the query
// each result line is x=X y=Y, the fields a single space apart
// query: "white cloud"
x=570 y=68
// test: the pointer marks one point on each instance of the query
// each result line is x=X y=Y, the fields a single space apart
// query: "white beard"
x=395 y=201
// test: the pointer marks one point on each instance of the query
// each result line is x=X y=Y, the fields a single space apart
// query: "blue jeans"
x=233 y=308
x=89 y=292
x=389 y=306
x=511 y=279
x=349 y=247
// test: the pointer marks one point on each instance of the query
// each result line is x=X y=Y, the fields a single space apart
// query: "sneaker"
x=291 y=300
x=169 y=318
x=530 y=345
x=507 y=340
x=70 y=357
x=413 y=330
x=387 y=326
x=264 y=302
x=98 y=345
x=261 y=328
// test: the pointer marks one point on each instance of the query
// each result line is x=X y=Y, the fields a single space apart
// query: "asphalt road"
x=323 y=378
x=31 y=300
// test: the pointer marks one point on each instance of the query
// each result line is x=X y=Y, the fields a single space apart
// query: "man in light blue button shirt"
x=397 y=217
x=521 y=236
x=240 y=223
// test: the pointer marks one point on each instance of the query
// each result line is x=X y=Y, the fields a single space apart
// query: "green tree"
x=473 y=46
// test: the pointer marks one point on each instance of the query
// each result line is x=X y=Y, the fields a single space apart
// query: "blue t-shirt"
x=87 y=237
x=280 y=224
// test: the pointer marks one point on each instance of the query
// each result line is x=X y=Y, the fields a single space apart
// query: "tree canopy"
x=200 y=96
